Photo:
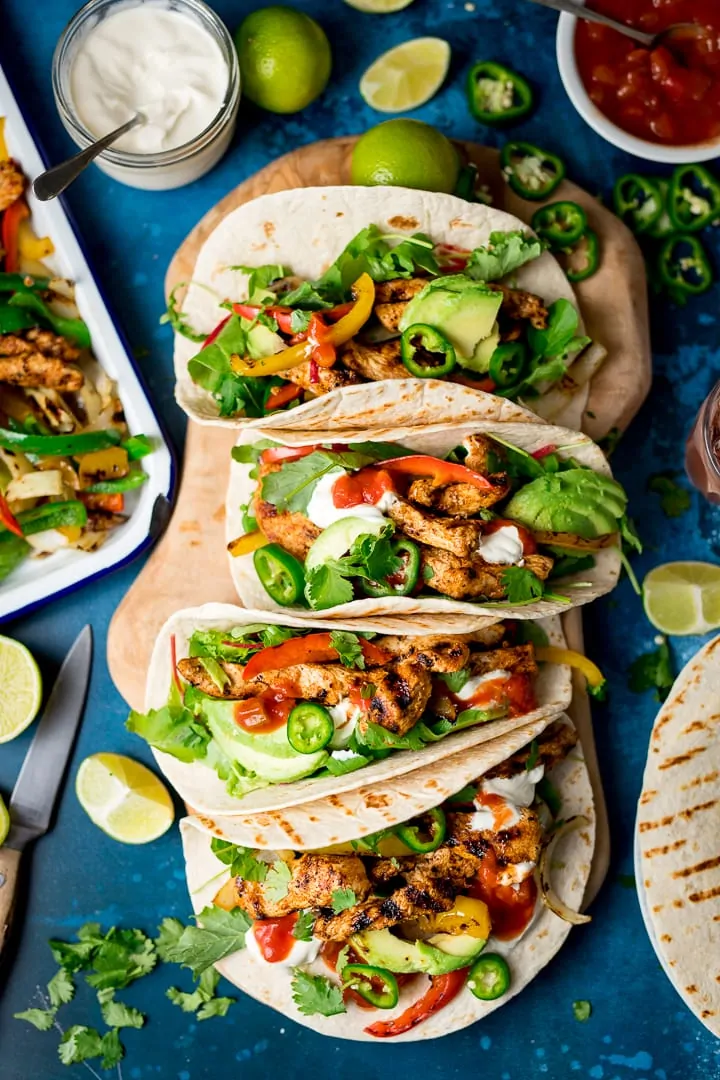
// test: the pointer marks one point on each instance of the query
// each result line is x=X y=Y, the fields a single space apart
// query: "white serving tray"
x=38 y=580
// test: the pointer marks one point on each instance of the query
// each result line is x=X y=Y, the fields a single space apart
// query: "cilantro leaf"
x=277 y=880
x=78 y=1044
x=112 y=1050
x=348 y=647
x=303 y=929
x=170 y=932
x=653 y=671
x=342 y=960
x=504 y=253
x=172 y=729
x=241 y=860
x=291 y=487
x=342 y=899
x=629 y=533
x=582 y=1010
x=61 y=988
x=117 y=1014
x=326 y=587
x=299 y=321
x=72 y=956
x=221 y=933
x=125 y=955
x=187 y=1002
x=217 y=1006
x=316 y=995
x=42 y=1019
x=175 y=317
x=674 y=499
x=521 y=585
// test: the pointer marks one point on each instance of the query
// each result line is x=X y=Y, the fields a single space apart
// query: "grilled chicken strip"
x=12 y=184
x=402 y=692
x=320 y=380
x=519 y=659
x=434 y=652
x=463 y=580
x=399 y=289
x=517 y=844
x=458 y=500
x=292 y=531
x=389 y=315
x=374 y=362
x=39 y=358
x=314 y=880
x=517 y=304
x=449 y=534
x=483 y=454
x=325 y=683
x=553 y=746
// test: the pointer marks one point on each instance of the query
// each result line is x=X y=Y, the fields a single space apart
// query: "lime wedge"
x=683 y=597
x=20 y=688
x=123 y=798
x=379 y=7
x=406 y=76
x=4 y=821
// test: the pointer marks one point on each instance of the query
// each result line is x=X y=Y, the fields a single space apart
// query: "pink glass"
x=702 y=450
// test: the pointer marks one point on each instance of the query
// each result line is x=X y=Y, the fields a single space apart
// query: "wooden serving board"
x=189 y=566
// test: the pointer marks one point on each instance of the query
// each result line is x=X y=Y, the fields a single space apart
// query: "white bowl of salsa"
x=641 y=101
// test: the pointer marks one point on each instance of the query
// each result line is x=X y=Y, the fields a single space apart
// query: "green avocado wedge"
x=575 y=501
x=463 y=310
x=268 y=755
x=382 y=949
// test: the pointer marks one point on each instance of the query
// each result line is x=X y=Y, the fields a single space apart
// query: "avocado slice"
x=339 y=537
x=269 y=755
x=448 y=952
x=576 y=501
x=262 y=341
x=480 y=360
x=464 y=311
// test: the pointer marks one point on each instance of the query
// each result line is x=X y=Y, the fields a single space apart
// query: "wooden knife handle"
x=9 y=870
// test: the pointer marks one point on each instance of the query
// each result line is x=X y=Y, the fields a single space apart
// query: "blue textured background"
x=639 y=1029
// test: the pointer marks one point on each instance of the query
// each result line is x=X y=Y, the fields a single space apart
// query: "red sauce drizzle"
x=262 y=714
x=365 y=487
x=275 y=937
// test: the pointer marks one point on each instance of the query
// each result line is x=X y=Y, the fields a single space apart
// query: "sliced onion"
x=38 y=485
x=542 y=874
x=577 y=375
x=54 y=409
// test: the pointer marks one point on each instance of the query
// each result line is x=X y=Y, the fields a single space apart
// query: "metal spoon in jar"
x=53 y=181
x=572 y=7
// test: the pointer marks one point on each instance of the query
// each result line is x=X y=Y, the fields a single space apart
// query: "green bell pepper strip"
x=489 y=977
x=412 y=835
x=560 y=223
x=74 y=329
x=680 y=256
x=425 y=352
x=497 y=94
x=249 y=522
x=582 y=260
x=13 y=319
x=13 y=549
x=531 y=172
x=137 y=446
x=638 y=202
x=281 y=575
x=12 y=282
x=409 y=553
x=693 y=198
x=52 y=516
x=59 y=445
x=360 y=978
x=310 y=727
x=130 y=482
x=508 y=364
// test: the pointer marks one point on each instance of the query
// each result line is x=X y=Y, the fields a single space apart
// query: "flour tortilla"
x=677 y=830
x=526 y=957
x=200 y=787
x=432 y=613
x=305 y=230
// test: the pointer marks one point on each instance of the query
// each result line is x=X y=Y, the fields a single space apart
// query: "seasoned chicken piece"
x=291 y=531
x=487 y=637
x=517 y=304
x=399 y=289
x=483 y=454
x=433 y=651
x=458 y=500
x=325 y=683
x=324 y=381
x=12 y=184
x=552 y=747
x=314 y=880
x=374 y=362
x=469 y=579
x=449 y=534
x=389 y=315
x=519 y=659
x=402 y=692
x=519 y=843
x=50 y=344
x=39 y=358
x=103 y=521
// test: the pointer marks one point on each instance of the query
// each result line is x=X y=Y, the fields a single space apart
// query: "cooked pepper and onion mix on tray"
x=67 y=458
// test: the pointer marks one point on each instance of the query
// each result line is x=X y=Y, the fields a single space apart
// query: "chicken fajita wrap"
x=247 y=715
x=417 y=930
x=477 y=520
x=300 y=294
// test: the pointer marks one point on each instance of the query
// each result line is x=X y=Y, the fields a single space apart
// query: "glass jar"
x=168 y=168
x=702 y=450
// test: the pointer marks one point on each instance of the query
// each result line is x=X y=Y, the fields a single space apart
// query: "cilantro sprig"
x=316 y=995
x=653 y=671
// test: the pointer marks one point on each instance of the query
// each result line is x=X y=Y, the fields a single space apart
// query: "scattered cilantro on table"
x=653 y=671
x=675 y=500
x=582 y=1010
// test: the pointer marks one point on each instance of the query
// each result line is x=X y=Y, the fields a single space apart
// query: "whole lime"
x=285 y=58
x=406 y=153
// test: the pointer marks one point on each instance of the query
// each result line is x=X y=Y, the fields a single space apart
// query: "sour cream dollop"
x=475 y=682
x=513 y=793
x=502 y=547
x=323 y=512
x=345 y=716
x=302 y=952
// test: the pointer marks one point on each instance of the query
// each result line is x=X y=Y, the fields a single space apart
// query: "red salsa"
x=667 y=95
x=275 y=937
x=262 y=714
x=511 y=907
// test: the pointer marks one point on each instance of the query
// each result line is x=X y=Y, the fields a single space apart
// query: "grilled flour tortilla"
x=678 y=824
x=294 y=237
x=229 y=745
x=426 y=916
x=563 y=497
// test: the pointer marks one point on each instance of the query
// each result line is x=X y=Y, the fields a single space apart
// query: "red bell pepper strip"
x=486 y=385
x=8 y=519
x=282 y=395
x=311 y=649
x=214 y=333
x=314 y=370
x=281 y=315
x=443 y=472
x=12 y=217
x=443 y=988
x=324 y=352
x=543 y=451
x=274 y=454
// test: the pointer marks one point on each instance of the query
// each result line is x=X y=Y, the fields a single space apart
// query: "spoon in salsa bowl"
x=650 y=41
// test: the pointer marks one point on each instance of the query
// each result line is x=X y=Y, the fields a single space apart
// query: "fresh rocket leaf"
x=303 y=929
x=653 y=671
x=260 y=278
x=277 y=881
x=550 y=795
x=117 y=1015
x=249 y=453
x=78 y=1044
x=220 y=934
x=172 y=729
x=241 y=860
x=342 y=899
x=175 y=317
x=561 y=329
x=504 y=253
x=348 y=647
x=582 y=1010
x=533 y=633
x=61 y=988
x=521 y=585
x=291 y=487
x=42 y=1019
x=674 y=499
x=315 y=995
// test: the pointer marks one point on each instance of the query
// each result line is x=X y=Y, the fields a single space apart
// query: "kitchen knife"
x=37 y=786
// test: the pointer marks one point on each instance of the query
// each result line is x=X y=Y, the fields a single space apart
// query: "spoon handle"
x=582 y=12
x=53 y=181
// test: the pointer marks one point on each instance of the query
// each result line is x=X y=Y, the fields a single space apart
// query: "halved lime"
x=683 y=597
x=379 y=7
x=124 y=798
x=4 y=821
x=20 y=688
x=407 y=76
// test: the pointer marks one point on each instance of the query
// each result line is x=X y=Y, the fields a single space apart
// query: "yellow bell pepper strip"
x=554 y=655
x=364 y=293
x=3 y=145
x=468 y=915
x=243 y=545
x=102 y=465
x=31 y=246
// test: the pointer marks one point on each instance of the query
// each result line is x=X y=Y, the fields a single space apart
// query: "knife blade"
x=37 y=786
